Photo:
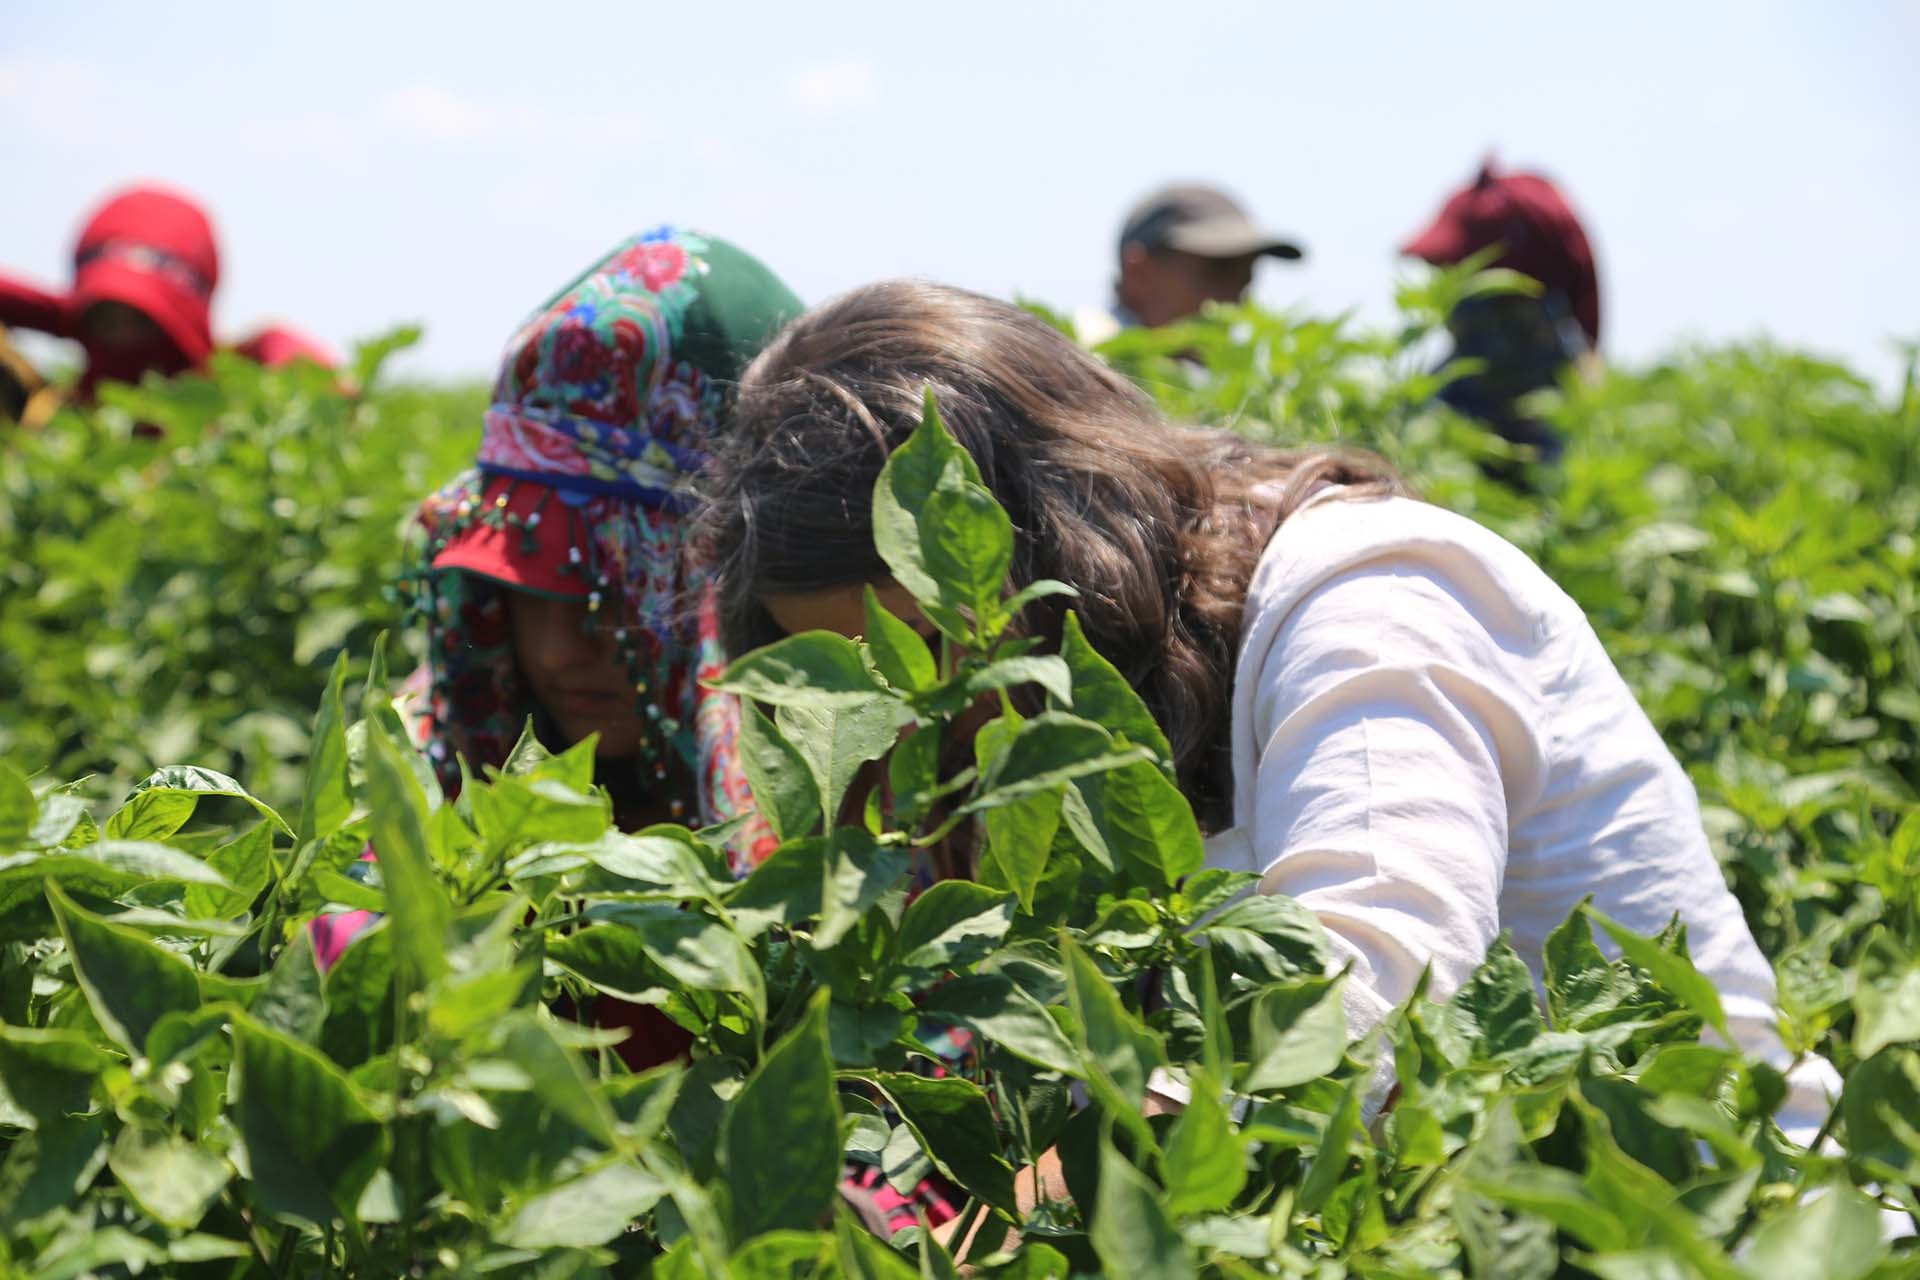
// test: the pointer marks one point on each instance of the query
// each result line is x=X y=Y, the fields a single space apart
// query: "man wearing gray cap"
x=1184 y=246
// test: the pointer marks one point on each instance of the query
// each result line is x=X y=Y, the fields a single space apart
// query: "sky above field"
x=1743 y=169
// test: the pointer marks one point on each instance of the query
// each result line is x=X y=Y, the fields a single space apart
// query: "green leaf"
x=913 y=774
x=611 y=959
x=1216 y=1046
x=1554 y=1194
x=781 y=1139
x=914 y=472
x=1299 y=1034
x=312 y=1144
x=967 y=541
x=1269 y=938
x=693 y=948
x=1581 y=982
x=1130 y=1231
x=151 y=815
x=360 y=995
x=1693 y=1069
x=49 y=1072
x=857 y=1035
x=992 y=1006
x=1674 y=972
x=1642 y=1199
x=777 y=1255
x=62 y=822
x=583 y=1212
x=782 y=779
x=1145 y=822
x=528 y=1041
x=951 y=925
x=1205 y=1162
x=514 y=812
x=784 y=890
x=864 y=1257
x=1020 y=838
x=1880 y=1097
x=48 y=1168
x=1044 y=752
x=1035 y=1261
x=1670 y=1152
x=1119 y=1052
x=337 y=890
x=245 y=863
x=836 y=740
x=811 y=669
x=899 y=652
x=954 y=1124
x=292 y=1001
x=1834 y=1234
x=198 y=1247
x=1497 y=1002
x=1330 y=1160
x=976 y=681
x=463 y=1005
x=105 y=869
x=1102 y=694
x=172 y=1180
x=185 y=785
x=130 y=983
x=658 y=861
x=858 y=873
x=17 y=808
x=421 y=910
x=1886 y=1001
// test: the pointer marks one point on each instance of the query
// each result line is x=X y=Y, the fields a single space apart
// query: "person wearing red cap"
x=1524 y=343
x=144 y=272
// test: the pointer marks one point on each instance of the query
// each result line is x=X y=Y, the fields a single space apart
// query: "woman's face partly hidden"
x=115 y=326
x=842 y=610
x=575 y=672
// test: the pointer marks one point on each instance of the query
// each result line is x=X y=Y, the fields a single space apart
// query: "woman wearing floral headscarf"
x=556 y=582
x=555 y=578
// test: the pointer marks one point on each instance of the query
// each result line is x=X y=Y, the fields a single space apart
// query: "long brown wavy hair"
x=1158 y=526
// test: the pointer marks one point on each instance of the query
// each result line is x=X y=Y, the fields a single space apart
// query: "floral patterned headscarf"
x=602 y=414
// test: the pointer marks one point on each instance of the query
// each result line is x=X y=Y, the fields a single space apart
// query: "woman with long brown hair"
x=1382 y=708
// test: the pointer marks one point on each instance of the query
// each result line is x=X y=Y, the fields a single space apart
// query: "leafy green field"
x=185 y=1093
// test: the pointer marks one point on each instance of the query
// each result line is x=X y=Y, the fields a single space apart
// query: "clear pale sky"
x=1742 y=168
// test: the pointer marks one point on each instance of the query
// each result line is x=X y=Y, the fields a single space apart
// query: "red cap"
x=503 y=552
x=152 y=250
x=1539 y=237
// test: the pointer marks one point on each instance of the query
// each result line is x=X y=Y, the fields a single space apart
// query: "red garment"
x=276 y=345
x=1538 y=233
x=26 y=306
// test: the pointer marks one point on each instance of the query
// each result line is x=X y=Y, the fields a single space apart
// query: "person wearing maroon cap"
x=144 y=272
x=1523 y=343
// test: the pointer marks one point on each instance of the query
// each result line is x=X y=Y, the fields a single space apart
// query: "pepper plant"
x=187 y=1092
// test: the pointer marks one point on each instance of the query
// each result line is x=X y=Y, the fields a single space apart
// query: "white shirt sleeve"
x=1391 y=742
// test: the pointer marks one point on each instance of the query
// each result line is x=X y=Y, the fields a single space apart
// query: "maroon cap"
x=1539 y=237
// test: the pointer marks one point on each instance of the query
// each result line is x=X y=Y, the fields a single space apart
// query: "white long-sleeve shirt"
x=1430 y=745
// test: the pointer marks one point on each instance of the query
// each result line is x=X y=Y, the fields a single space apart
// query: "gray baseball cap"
x=1202 y=220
